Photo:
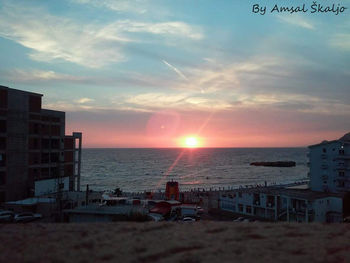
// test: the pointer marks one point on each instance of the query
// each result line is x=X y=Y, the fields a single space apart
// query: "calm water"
x=149 y=169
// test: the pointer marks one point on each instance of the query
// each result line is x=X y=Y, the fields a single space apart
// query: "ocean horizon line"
x=196 y=148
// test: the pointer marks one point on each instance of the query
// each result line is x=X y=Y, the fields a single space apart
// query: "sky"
x=150 y=73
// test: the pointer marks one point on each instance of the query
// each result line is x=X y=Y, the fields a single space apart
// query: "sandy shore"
x=175 y=242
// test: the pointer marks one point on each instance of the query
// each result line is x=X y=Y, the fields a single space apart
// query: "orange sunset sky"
x=151 y=73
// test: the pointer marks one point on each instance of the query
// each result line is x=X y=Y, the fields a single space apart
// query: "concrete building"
x=324 y=199
x=291 y=204
x=330 y=165
x=36 y=157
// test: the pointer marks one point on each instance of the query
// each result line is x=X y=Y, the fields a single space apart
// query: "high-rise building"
x=329 y=164
x=36 y=157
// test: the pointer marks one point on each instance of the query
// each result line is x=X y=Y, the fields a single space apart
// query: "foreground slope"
x=175 y=242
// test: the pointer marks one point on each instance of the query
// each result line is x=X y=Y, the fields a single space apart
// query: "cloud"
x=341 y=41
x=50 y=38
x=136 y=6
x=91 y=45
x=172 y=28
x=216 y=77
x=180 y=101
x=84 y=100
x=178 y=72
x=296 y=20
x=37 y=76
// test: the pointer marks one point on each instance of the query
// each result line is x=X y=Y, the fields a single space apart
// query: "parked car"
x=6 y=216
x=239 y=219
x=188 y=219
x=26 y=217
x=200 y=210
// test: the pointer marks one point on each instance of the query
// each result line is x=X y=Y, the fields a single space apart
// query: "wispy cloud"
x=136 y=6
x=180 y=101
x=92 y=45
x=341 y=41
x=178 y=72
x=296 y=20
x=37 y=76
x=84 y=100
x=209 y=79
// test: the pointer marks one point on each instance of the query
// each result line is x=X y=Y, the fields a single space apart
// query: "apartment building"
x=330 y=165
x=36 y=157
x=325 y=199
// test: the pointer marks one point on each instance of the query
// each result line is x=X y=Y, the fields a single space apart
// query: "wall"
x=50 y=186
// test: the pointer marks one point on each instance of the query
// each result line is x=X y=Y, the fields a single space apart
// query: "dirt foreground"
x=175 y=242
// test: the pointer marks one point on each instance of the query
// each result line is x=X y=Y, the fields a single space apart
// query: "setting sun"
x=191 y=142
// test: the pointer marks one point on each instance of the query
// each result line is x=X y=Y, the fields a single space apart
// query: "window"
x=45 y=158
x=240 y=207
x=341 y=173
x=68 y=170
x=54 y=157
x=54 y=172
x=69 y=143
x=45 y=143
x=34 y=128
x=249 y=209
x=341 y=152
x=3 y=99
x=341 y=184
x=2 y=143
x=3 y=126
x=34 y=158
x=2 y=159
x=34 y=143
x=55 y=130
x=2 y=178
x=2 y=197
x=55 y=143
x=324 y=150
x=35 y=104
x=239 y=194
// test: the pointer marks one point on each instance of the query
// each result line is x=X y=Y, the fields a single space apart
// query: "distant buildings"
x=36 y=157
x=323 y=200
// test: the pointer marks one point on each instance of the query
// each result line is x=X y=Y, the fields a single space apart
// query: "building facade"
x=323 y=200
x=330 y=165
x=36 y=157
x=284 y=204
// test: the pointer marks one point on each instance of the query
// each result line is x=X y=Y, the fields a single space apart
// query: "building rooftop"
x=300 y=191
x=343 y=139
x=32 y=201
x=22 y=91
x=307 y=194
x=105 y=210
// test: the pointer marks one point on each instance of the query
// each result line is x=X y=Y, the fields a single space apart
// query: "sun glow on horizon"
x=190 y=141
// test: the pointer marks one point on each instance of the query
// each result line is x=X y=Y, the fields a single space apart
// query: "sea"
x=138 y=170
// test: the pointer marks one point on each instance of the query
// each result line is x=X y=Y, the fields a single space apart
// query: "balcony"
x=342 y=157
x=256 y=203
x=342 y=166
